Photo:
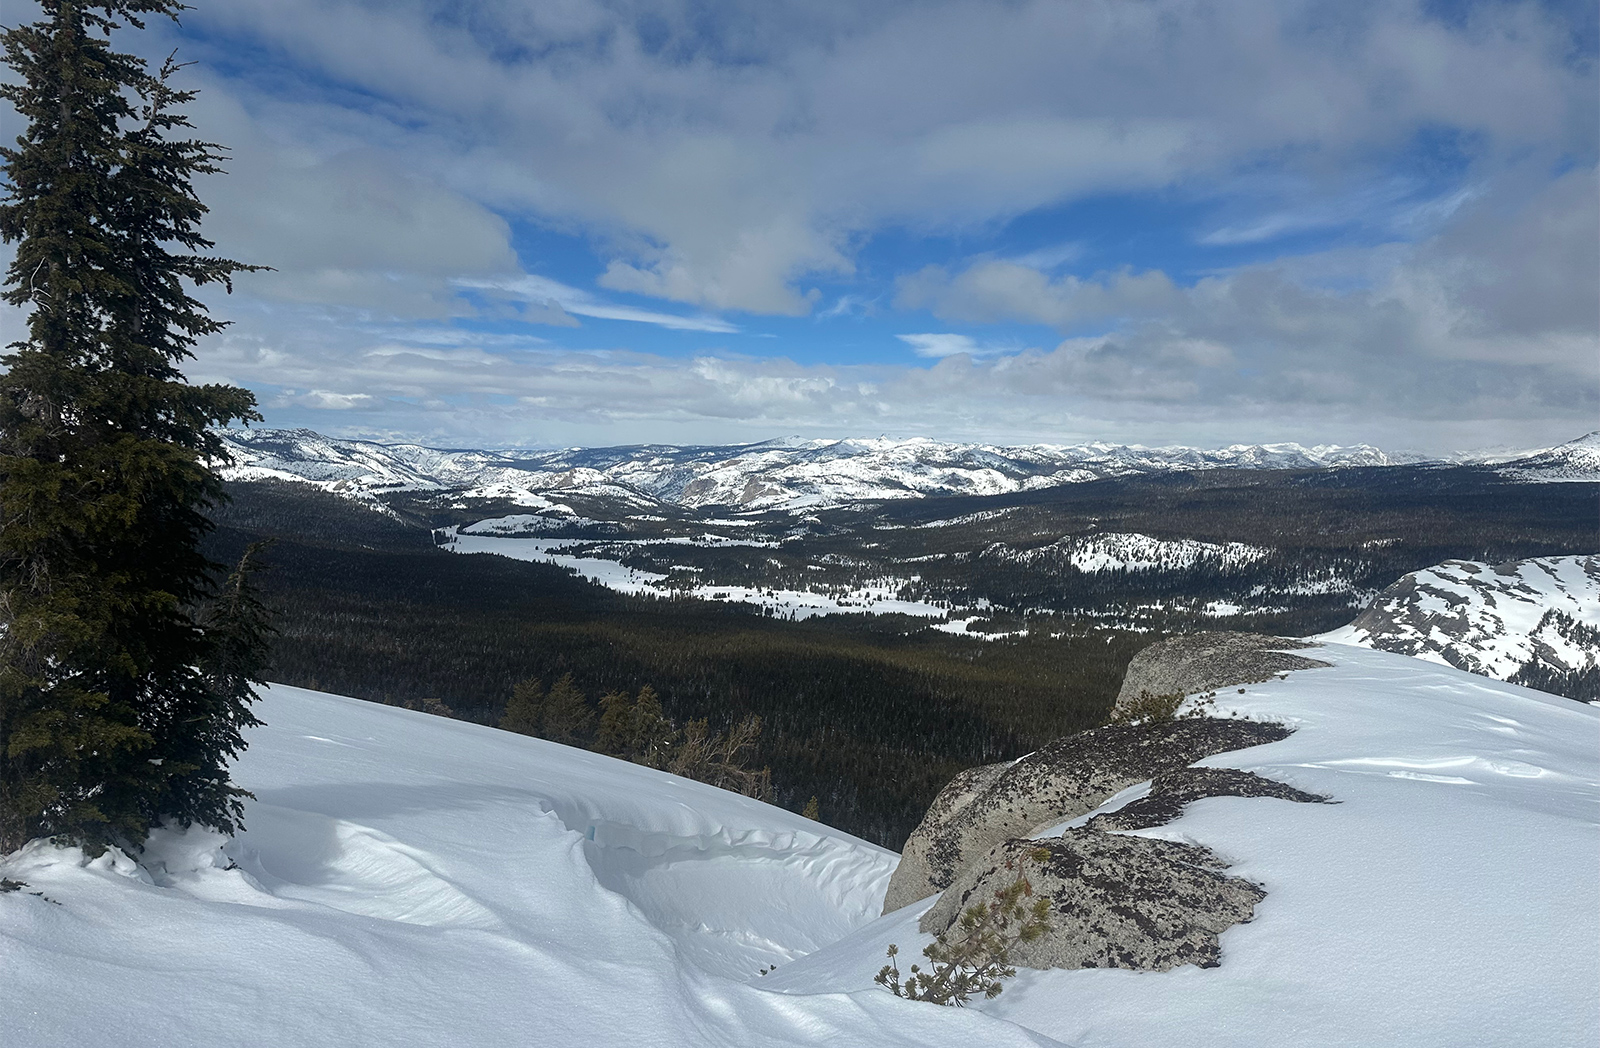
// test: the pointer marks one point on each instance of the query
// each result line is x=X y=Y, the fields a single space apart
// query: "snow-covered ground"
x=408 y=880
x=1130 y=551
x=876 y=597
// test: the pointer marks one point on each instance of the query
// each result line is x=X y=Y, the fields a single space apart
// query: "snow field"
x=410 y=880
x=876 y=598
x=1451 y=897
x=1130 y=551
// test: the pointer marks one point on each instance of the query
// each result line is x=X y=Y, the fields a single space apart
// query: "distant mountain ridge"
x=1534 y=622
x=788 y=474
x=1576 y=460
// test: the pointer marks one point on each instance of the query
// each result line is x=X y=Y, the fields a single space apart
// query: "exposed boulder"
x=1173 y=791
x=1071 y=776
x=1115 y=901
x=1197 y=662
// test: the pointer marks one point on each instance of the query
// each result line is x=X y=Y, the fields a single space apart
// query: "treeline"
x=856 y=712
x=636 y=728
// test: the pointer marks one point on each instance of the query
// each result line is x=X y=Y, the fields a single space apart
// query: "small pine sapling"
x=974 y=956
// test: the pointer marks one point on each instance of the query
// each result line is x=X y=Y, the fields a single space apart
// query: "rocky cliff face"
x=1116 y=901
x=1199 y=662
x=1068 y=778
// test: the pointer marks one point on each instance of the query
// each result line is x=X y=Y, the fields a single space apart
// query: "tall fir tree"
x=523 y=709
x=124 y=683
x=567 y=715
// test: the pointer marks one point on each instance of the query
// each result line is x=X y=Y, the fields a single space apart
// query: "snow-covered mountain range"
x=792 y=475
x=411 y=881
x=1576 y=460
x=1525 y=621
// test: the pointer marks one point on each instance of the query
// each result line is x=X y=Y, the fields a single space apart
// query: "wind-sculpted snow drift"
x=409 y=880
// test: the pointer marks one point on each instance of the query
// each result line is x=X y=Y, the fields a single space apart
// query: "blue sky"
x=498 y=222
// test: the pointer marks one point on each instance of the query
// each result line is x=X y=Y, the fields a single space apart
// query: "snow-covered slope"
x=1493 y=620
x=1576 y=460
x=1127 y=551
x=409 y=880
x=775 y=475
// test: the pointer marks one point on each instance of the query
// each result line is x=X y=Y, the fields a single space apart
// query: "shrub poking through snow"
x=973 y=957
x=1147 y=708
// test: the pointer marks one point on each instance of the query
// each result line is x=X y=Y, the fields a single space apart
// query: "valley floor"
x=410 y=880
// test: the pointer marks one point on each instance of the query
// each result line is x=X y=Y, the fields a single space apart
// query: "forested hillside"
x=871 y=713
x=868 y=718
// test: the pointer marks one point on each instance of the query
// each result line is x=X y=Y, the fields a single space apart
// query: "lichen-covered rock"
x=1067 y=778
x=1197 y=662
x=1115 y=901
x=1173 y=791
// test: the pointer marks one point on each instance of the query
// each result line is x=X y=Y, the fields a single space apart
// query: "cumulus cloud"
x=1509 y=285
x=1006 y=290
x=723 y=156
x=730 y=156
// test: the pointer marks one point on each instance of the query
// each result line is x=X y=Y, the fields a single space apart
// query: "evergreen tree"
x=568 y=718
x=653 y=734
x=121 y=697
x=635 y=728
x=616 y=732
x=522 y=712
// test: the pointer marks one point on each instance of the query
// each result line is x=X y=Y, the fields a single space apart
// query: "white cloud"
x=1510 y=281
x=558 y=297
x=719 y=160
x=948 y=345
x=1006 y=290
x=324 y=400
x=940 y=345
x=1052 y=256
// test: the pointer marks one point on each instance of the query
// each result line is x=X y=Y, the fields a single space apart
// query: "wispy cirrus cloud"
x=949 y=344
x=556 y=296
